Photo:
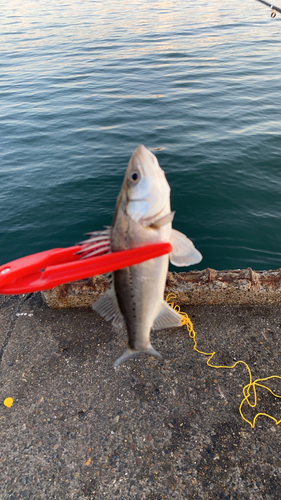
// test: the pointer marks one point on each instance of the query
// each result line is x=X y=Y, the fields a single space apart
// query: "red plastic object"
x=45 y=270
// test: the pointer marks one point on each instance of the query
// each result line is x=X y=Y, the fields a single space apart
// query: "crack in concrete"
x=12 y=324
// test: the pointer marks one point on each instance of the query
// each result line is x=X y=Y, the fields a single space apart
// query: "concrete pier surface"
x=151 y=429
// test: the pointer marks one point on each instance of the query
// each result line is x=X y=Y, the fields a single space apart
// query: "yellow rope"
x=253 y=384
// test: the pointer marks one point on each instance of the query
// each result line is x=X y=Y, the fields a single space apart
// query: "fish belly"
x=139 y=290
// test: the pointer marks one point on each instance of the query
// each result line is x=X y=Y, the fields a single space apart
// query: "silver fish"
x=142 y=216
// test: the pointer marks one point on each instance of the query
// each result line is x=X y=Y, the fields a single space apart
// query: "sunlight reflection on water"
x=83 y=83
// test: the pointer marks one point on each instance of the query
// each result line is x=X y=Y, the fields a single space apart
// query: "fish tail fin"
x=131 y=353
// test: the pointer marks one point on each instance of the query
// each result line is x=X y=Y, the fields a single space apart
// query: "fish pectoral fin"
x=163 y=221
x=167 y=318
x=131 y=353
x=184 y=252
x=107 y=306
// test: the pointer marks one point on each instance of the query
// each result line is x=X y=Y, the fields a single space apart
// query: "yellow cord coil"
x=252 y=385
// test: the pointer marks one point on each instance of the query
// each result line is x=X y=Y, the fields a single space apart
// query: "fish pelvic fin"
x=184 y=252
x=131 y=353
x=167 y=318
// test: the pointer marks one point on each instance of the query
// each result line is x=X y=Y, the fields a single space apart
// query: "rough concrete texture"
x=80 y=429
x=207 y=287
x=77 y=294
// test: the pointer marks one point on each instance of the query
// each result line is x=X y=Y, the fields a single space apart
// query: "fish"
x=143 y=216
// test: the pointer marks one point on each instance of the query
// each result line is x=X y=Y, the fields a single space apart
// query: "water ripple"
x=82 y=84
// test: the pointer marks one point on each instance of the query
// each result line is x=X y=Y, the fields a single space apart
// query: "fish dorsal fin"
x=107 y=306
x=167 y=318
x=163 y=221
x=184 y=252
x=97 y=244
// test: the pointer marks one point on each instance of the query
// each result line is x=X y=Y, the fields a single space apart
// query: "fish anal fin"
x=167 y=318
x=184 y=252
x=107 y=306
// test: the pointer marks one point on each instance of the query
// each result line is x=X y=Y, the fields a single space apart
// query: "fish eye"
x=134 y=176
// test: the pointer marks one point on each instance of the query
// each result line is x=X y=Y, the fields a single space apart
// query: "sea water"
x=82 y=83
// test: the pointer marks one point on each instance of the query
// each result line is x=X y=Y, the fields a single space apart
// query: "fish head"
x=145 y=188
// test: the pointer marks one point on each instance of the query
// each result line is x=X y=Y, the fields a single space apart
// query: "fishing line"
x=251 y=386
x=273 y=7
